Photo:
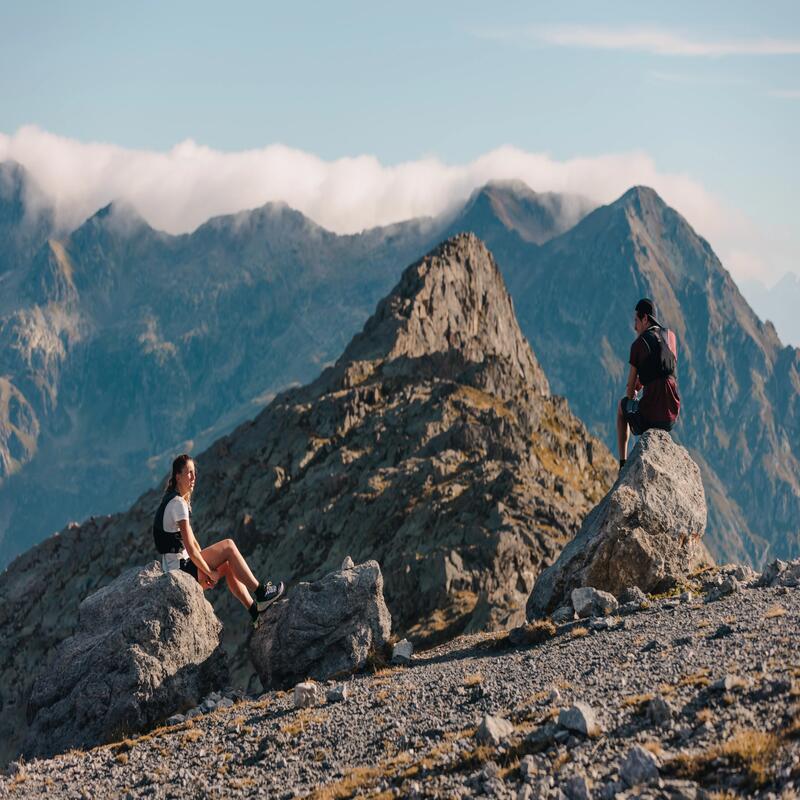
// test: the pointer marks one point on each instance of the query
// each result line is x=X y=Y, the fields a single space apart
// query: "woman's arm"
x=193 y=548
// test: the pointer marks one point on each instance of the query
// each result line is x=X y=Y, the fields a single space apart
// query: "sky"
x=365 y=113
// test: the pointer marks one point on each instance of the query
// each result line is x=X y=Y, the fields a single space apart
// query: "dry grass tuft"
x=750 y=751
x=775 y=611
x=193 y=735
x=474 y=679
x=576 y=633
x=699 y=678
x=121 y=758
x=704 y=715
x=654 y=746
x=637 y=700
x=560 y=760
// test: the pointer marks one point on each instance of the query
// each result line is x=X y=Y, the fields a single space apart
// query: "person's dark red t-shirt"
x=660 y=400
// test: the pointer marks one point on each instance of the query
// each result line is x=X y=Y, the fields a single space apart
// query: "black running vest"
x=166 y=541
x=660 y=361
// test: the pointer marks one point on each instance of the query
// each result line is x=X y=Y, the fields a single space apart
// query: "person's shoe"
x=266 y=598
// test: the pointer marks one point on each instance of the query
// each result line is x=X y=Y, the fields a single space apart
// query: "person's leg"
x=226 y=550
x=622 y=433
x=236 y=587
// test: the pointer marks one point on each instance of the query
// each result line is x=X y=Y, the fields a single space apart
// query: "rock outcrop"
x=646 y=532
x=324 y=628
x=147 y=645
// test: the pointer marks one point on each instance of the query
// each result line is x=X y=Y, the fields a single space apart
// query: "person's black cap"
x=647 y=306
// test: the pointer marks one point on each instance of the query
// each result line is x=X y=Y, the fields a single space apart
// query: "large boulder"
x=646 y=532
x=147 y=645
x=324 y=628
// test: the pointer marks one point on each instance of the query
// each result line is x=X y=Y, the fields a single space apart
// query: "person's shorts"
x=173 y=561
x=638 y=424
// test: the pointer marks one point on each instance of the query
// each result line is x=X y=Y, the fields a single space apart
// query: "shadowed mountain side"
x=740 y=387
x=433 y=446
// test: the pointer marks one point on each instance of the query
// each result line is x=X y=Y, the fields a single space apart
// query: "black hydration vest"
x=166 y=541
x=660 y=362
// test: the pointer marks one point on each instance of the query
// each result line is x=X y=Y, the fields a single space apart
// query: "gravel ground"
x=411 y=731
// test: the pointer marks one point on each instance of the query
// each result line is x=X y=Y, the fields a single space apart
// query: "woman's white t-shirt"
x=176 y=510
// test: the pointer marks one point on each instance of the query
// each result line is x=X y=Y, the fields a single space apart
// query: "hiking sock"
x=253 y=611
x=622 y=462
x=260 y=591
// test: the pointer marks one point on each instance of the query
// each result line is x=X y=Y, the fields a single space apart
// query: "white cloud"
x=180 y=189
x=655 y=40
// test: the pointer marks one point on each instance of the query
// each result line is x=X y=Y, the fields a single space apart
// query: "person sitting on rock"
x=653 y=359
x=175 y=540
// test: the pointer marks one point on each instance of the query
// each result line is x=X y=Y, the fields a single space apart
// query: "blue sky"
x=709 y=91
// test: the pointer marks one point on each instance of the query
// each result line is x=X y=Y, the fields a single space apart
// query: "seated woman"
x=175 y=540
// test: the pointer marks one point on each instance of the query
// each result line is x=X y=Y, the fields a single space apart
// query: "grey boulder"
x=146 y=647
x=646 y=532
x=590 y=602
x=323 y=629
x=781 y=573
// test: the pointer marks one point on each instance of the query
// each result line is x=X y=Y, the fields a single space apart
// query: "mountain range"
x=433 y=445
x=121 y=345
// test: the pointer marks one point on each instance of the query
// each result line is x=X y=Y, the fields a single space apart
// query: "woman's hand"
x=205 y=580
x=214 y=576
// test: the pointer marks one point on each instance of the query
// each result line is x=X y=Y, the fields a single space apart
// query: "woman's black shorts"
x=632 y=415
x=187 y=565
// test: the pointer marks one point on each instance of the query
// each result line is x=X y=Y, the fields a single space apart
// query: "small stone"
x=554 y=696
x=338 y=693
x=493 y=730
x=208 y=705
x=225 y=702
x=193 y=712
x=347 y=563
x=722 y=631
x=562 y=614
x=402 y=652
x=527 y=766
x=16 y=768
x=176 y=719
x=542 y=737
x=633 y=594
x=659 y=711
x=575 y=788
x=581 y=718
x=306 y=694
x=639 y=766
x=728 y=683
x=686 y=597
x=590 y=602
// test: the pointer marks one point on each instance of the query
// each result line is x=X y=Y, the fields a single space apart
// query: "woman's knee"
x=230 y=546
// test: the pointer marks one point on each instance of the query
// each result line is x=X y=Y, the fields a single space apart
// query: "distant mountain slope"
x=120 y=345
x=433 y=445
x=740 y=387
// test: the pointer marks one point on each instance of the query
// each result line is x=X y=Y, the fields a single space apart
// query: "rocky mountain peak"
x=449 y=312
x=512 y=206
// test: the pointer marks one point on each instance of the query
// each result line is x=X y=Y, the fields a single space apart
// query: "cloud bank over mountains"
x=178 y=190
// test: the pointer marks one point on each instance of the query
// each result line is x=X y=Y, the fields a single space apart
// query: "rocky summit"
x=433 y=446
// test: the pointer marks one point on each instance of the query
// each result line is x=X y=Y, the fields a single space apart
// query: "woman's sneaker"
x=267 y=595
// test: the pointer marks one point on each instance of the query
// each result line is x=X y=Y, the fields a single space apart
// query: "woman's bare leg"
x=237 y=588
x=226 y=550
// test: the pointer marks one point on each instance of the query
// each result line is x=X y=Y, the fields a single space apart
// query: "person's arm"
x=193 y=549
x=633 y=382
